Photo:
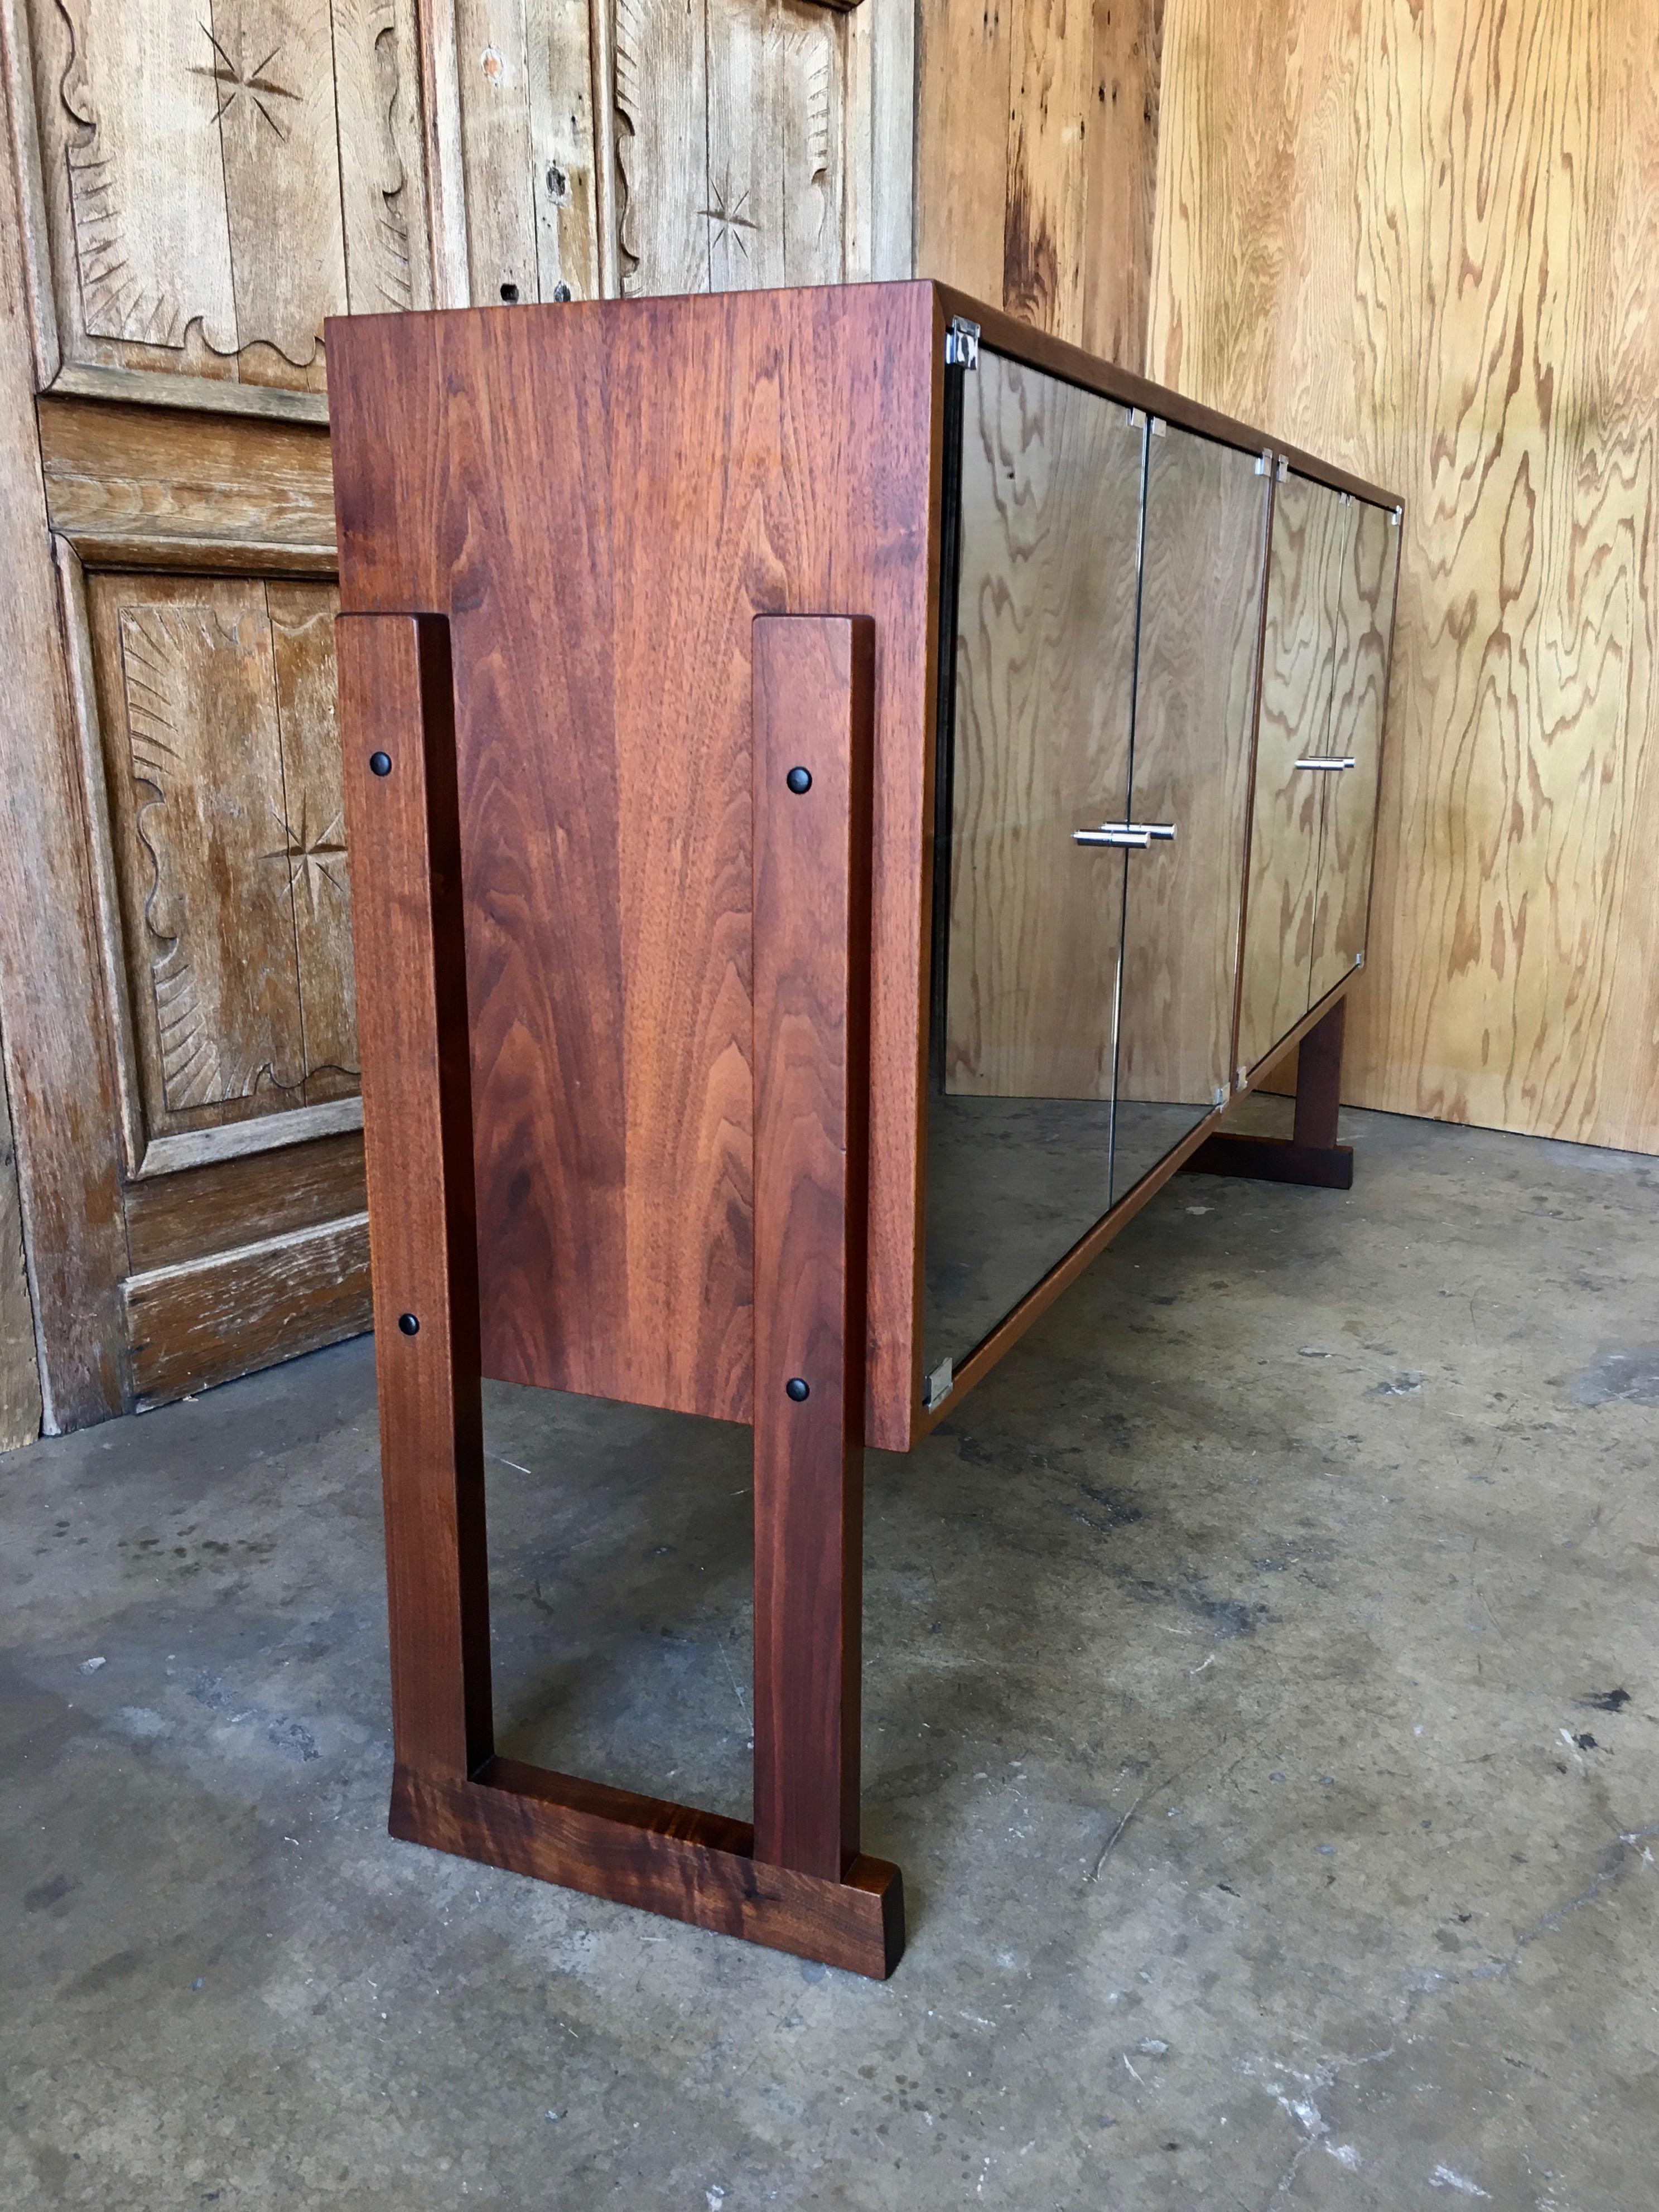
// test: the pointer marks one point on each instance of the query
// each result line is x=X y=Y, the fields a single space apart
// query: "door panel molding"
x=60 y=1064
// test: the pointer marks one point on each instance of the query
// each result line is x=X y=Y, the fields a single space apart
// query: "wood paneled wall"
x=1425 y=242
x=1036 y=144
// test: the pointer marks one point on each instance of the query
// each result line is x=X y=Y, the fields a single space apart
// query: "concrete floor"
x=1260 y=1700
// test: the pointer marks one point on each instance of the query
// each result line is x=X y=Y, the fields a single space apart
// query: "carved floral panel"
x=217 y=703
x=220 y=178
x=730 y=118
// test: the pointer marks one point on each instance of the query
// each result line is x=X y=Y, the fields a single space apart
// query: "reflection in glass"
x=1200 y=608
x=1365 y=619
x=1028 y=923
x=1312 y=526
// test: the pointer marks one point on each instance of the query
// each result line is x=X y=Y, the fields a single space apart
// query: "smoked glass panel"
x=1200 y=617
x=1312 y=527
x=1028 y=923
x=1364 y=620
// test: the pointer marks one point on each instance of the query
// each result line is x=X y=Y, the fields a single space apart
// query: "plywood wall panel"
x=1121 y=144
x=1423 y=241
x=1036 y=157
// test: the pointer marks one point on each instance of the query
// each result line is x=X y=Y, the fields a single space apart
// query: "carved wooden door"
x=188 y=192
x=200 y=188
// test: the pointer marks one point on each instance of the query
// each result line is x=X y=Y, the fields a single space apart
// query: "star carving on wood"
x=312 y=857
x=231 y=79
x=727 y=223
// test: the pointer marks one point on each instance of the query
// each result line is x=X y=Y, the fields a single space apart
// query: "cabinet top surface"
x=677 y=323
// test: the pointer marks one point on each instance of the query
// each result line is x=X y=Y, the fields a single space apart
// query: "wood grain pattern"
x=215 y=183
x=208 y=1319
x=1035 y=160
x=964 y=62
x=661 y=1857
x=738 y=144
x=200 y=1211
x=152 y=487
x=1201 y=608
x=216 y=709
x=1045 y=684
x=1359 y=683
x=1044 y=249
x=1121 y=144
x=814 y=696
x=1311 y=526
x=313 y=841
x=19 y=1373
x=60 y=1073
x=608 y=914
x=396 y=696
x=1426 y=237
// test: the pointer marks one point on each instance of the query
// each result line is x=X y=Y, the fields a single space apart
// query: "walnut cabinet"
x=845 y=792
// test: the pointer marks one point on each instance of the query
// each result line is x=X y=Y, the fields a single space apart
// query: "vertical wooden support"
x=807 y=1890
x=1319 y=1082
x=813 y=732
x=397 y=724
x=1311 y=1154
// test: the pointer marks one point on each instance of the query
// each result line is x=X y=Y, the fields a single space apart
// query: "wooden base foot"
x=1274 y=1159
x=658 y=1856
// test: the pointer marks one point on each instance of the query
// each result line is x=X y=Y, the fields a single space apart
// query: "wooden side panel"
x=1358 y=688
x=395 y=700
x=1311 y=532
x=608 y=903
x=1201 y=617
x=1425 y=242
x=814 y=681
x=1045 y=684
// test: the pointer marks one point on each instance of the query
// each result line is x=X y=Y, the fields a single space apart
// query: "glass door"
x=1364 y=623
x=1307 y=562
x=1200 y=614
x=1035 y=725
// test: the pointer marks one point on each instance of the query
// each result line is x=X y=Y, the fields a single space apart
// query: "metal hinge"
x=961 y=343
x=1160 y=427
x=936 y=1388
x=1133 y=417
x=1358 y=959
x=1264 y=467
x=1283 y=468
x=1394 y=520
x=1222 y=1094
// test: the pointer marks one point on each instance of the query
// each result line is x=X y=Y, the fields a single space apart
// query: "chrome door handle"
x=1136 y=837
x=1349 y=762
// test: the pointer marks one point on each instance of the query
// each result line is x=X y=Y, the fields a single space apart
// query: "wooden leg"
x=812 y=704
x=397 y=725
x=794 y=1881
x=1311 y=1154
